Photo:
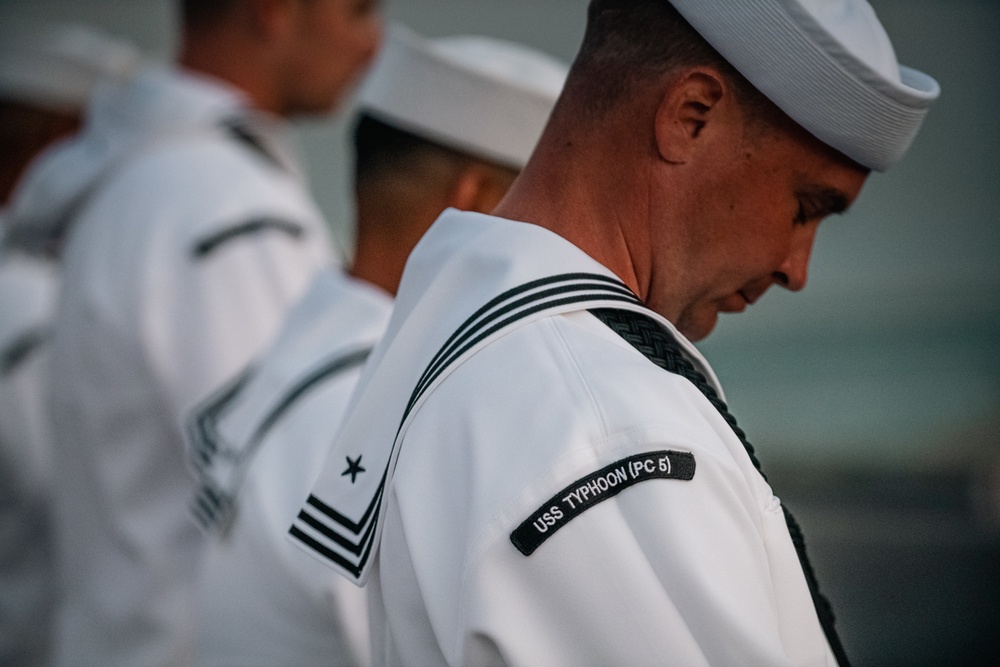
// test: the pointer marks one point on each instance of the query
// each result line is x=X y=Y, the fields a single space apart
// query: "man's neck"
x=549 y=194
x=229 y=57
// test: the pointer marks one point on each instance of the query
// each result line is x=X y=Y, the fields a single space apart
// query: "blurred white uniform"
x=51 y=69
x=259 y=443
x=262 y=602
x=190 y=236
x=553 y=497
x=27 y=584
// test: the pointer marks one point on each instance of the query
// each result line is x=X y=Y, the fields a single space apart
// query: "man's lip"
x=733 y=305
x=752 y=294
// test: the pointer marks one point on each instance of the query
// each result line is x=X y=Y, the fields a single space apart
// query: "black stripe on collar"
x=213 y=505
x=327 y=531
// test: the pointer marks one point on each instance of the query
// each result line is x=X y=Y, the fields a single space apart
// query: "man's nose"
x=794 y=270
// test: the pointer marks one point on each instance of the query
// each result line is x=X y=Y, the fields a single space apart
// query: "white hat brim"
x=485 y=97
x=787 y=54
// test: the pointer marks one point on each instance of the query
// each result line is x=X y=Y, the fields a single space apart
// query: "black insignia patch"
x=584 y=493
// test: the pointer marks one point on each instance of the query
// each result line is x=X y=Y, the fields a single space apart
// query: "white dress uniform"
x=50 y=68
x=258 y=446
x=536 y=491
x=191 y=234
x=27 y=296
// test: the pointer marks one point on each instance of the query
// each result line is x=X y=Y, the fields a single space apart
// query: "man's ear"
x=479 y=188
x=690 y=107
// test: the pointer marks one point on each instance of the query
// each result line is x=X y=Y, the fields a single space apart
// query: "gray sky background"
x=891 y=356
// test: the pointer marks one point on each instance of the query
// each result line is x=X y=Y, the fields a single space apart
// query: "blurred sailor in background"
x=47 y=72
x=190 y=233
x=538 y=467
x=441 y=123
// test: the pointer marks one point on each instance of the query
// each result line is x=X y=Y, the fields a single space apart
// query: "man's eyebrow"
x=822 y=200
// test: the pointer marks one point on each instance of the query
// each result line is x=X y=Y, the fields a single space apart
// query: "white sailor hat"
x=483 y=96
x=828 y=64
x=55 y=66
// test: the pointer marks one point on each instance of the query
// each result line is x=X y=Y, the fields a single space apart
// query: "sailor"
x=47 y=72
x=441 y=123
x=551 y=475
x=190 y=232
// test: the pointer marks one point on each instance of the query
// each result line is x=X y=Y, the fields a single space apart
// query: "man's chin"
x=698 y=327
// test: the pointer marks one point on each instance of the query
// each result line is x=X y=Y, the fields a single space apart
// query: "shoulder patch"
x=211 y=243
x=597 y=487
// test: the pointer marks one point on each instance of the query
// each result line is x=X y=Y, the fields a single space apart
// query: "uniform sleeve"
x=215 y=302
x=630 y=563
x=667 y=571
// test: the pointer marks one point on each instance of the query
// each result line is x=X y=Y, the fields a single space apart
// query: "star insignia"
x=354 y=468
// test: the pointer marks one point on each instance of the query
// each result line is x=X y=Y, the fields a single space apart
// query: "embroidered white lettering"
x=600 y=485
x=571 y=499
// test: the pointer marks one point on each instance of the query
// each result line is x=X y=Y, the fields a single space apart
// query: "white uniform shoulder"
x=577 y=479
x=583 y=399
x=214 y=188
x=260 y=600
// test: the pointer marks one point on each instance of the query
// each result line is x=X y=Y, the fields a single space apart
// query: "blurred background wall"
x=874 y=396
